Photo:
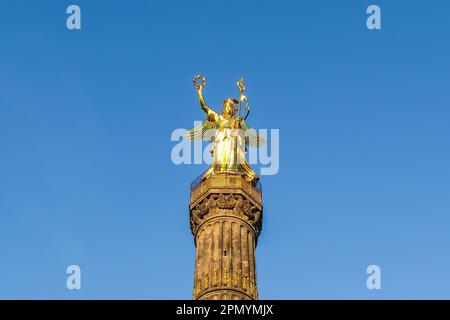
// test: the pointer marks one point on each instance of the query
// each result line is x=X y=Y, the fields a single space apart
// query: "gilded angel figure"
x=229 y=133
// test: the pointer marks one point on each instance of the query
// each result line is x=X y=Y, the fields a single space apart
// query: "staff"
x=242 y=98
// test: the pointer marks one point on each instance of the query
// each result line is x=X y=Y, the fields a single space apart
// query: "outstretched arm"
x=212 y=115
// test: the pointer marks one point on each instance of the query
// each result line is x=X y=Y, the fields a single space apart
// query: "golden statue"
x=229 y=133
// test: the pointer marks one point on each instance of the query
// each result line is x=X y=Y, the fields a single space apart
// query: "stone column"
x=226 y=219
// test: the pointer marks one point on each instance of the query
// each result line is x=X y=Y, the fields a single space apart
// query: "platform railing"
x=197 y=182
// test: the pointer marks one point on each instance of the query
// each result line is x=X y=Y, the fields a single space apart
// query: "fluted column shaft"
x=225 y=267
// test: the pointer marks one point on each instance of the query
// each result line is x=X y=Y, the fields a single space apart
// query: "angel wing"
x=198 y=133
x=251 y=136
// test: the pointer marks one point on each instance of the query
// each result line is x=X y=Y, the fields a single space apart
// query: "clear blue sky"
x=85 y=123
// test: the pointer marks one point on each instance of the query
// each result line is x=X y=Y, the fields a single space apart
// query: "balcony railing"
x=197 y=181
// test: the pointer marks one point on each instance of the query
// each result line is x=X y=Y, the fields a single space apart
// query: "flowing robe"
x=229 y=150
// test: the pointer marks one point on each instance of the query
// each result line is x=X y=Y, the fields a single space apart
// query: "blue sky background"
x=86 y=116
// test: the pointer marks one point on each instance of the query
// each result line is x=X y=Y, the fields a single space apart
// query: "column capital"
x=226 y=195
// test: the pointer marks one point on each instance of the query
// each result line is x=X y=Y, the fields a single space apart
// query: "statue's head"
x=228 y=109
